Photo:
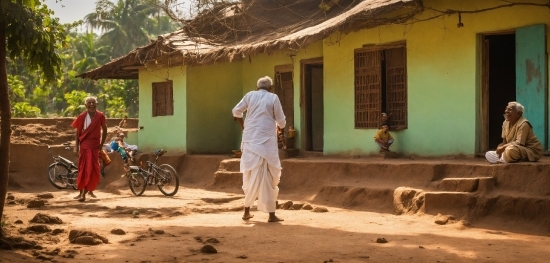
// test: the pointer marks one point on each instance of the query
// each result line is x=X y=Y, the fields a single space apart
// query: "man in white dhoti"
x=260 y=162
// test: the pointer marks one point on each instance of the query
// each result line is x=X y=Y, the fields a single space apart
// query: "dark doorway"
x=313 y=106
x=499 y=77
x=284 y=88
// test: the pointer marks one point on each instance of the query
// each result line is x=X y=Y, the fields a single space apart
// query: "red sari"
x=88 y=160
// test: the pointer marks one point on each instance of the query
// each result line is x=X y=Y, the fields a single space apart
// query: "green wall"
x=166 y=132
x=443 y=74
x=443 y=79
x=212 y=92
x=264 y=65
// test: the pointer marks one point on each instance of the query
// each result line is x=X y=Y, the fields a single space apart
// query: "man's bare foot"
x=92 y=195
x=77 y=197
x=82 y=199
x=247 y=216
x=274 y=218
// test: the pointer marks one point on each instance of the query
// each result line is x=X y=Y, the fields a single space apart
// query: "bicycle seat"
x=160 y=152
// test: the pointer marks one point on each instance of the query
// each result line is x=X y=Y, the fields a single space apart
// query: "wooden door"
x=531 y=77
x=285 y=90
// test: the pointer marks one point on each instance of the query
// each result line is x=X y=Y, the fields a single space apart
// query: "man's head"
x=513 y=111
x=91 y=103
x=264 y=83
x=385 y=127
x=121 y=135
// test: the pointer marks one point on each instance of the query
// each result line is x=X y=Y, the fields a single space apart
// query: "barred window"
x=381 y=86
x=163 y=102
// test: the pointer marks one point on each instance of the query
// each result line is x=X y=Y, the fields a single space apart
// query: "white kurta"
x=260 y=162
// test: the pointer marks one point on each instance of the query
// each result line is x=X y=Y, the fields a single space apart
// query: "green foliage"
x=25 y=110
x=17 y=89
x=75 y=102
x=33 y=35
x=116 y=108
x=126 y=24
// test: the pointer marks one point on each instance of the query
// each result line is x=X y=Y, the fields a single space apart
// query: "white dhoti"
x=261 y=169
x=492 y=157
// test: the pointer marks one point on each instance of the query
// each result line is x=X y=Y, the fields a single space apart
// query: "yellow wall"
x=443 y=71
x=443 y=79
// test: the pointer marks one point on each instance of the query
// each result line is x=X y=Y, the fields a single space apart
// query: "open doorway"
x=312 y=104
x=514 y=69
x=499 y=63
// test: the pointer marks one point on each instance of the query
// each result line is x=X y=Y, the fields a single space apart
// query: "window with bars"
x=163 y=102
x=381 y=86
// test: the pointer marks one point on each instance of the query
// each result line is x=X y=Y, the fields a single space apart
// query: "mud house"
x=443 y=69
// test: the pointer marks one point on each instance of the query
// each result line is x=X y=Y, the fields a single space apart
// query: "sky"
x=69 y=11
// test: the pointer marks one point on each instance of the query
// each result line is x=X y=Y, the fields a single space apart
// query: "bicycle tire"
x=55 y=173
x=137 y=183
x=167 y=178
x=72 y=179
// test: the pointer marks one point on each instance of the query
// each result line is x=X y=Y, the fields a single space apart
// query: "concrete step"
x=288 y=153
x=451 y=203
x=482 y=184
x=231 y=165
x=228 y=180
x=509 y=206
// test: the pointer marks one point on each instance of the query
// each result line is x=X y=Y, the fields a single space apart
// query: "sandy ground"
x=174 y=229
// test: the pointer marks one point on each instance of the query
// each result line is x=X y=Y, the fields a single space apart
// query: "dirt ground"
x=185 y=227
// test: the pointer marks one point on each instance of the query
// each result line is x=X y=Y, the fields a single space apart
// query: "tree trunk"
x=5 y=124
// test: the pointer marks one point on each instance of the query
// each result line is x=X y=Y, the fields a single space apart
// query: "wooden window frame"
x=380 y=85
x=163 y=105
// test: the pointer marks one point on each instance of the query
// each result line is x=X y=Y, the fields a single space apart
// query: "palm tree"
x=123 y=23
x=90 y=56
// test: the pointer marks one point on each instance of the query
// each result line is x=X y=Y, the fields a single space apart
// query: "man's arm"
x=76 y=143
x=501 y=147
x=240 y=121
x=103 y=135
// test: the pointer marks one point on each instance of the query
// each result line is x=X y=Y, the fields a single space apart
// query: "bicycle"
x=62 y=173
x=164 y=176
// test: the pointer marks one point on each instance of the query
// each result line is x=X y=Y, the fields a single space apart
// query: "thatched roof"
x=262 y=26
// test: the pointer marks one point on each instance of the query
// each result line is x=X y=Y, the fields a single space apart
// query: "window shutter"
x=163 y=101
x=396 y=87
x=169 y=99
x=367 y=88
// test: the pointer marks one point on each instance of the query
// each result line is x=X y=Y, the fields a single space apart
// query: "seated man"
x=131 y=150
x=519 y=143
x=383 y=138
x=118 y=146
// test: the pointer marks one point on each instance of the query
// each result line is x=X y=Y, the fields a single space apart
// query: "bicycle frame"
x=151 y=172
x=163 y=176
x=68 y=178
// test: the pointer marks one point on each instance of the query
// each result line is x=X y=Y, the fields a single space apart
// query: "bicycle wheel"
x=57 y=175
x=72 y=179
x=168 y=181
x=137 y=183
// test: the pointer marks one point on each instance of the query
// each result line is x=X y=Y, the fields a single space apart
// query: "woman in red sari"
x=91 y=132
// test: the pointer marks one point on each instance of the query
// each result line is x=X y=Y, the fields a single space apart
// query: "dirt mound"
x=39 y=131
